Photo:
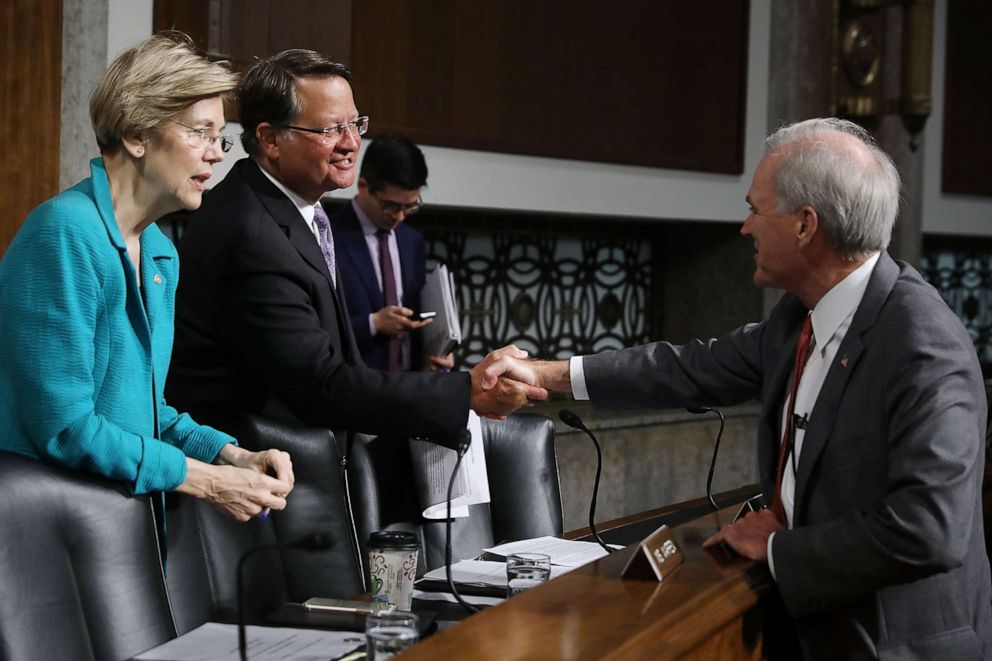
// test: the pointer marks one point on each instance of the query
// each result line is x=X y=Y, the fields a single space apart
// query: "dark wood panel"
x=30 y=116
x=658 y=83
x=967 y=167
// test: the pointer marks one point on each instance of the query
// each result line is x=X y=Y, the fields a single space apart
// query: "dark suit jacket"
x=887 y=555
x=361 y=288
x=259 y=327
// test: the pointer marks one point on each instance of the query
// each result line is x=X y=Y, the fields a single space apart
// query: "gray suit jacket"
x=887 y=555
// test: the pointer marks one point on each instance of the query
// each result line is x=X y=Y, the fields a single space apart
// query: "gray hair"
x=853 y=186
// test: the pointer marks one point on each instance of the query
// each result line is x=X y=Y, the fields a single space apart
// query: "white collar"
x=841 y=301
x=304 y=207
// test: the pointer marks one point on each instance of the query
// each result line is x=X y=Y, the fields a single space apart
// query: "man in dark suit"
x=260 y=323
x=371 y=240
x=872 y=430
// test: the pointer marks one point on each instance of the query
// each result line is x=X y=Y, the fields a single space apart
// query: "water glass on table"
x=387 y=633
x=525 y=571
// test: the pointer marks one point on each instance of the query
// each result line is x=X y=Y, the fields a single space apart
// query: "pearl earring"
x=141 y=151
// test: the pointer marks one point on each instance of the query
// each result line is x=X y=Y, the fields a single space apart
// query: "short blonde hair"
x=147 y=86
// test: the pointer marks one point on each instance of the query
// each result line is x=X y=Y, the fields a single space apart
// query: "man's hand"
x=510 y=362
x=395 y=321
x=749 y=535
x=439 y=363
x=503 y=396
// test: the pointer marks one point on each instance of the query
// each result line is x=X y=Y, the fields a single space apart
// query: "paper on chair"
x=219 y=642
x=433 y=465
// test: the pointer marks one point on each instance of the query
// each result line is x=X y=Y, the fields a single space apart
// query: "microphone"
x=575 y=422
x=698 y=410
x=464 y=441
x=315 y=541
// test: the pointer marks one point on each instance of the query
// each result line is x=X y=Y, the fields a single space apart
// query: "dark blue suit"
x=361 y=288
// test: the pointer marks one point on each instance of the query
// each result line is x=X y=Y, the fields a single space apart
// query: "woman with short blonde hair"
x=87 y=296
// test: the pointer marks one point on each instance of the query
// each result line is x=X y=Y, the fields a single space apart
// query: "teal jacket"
x=84 y=352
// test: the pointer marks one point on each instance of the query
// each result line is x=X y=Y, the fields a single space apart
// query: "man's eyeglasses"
x=330 y=134
x=393 y=208
x=197 y=138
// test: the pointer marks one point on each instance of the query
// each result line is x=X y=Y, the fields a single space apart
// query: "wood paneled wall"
x=30 y=115
x=967 y=166
x=646 y=82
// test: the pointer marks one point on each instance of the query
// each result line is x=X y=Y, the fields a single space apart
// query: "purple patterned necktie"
x=326 y=240
x=389 y=290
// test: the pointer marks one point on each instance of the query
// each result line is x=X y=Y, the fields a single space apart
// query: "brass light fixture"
x=859 y=62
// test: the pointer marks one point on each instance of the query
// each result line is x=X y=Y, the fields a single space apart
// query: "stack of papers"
x=487 y=576
x=438 y=295
x=563 y=552
x=219 y=642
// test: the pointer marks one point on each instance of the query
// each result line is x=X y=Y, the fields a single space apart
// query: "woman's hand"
x=267 y=462
x=241 y=493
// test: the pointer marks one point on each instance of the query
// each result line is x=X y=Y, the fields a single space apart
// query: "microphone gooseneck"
x=575 y=422
x=698 y=410
x=315 y=541
x=464 y=442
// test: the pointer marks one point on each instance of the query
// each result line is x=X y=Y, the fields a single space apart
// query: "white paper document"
x=438 y=295
x=219 y=642
x=481 y=572
x=450 y=598
x=564 y=552
x=432 y=471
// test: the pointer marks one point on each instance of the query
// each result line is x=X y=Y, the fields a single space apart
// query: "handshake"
x=506 y=381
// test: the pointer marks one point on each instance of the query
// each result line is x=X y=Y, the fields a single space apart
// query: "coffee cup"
x=392 y=568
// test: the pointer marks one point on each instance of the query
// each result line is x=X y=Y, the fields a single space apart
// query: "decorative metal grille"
x=964 y=280
x=555 y=296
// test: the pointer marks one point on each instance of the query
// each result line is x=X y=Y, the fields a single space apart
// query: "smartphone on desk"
x=354 y=607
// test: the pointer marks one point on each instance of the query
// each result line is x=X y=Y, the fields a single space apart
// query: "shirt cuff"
x=371 y=325
x=578 y=378
x=771 y=563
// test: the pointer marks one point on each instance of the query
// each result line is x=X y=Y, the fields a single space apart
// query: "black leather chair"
x=80 y=570
x=523 y=486
x=205 y=546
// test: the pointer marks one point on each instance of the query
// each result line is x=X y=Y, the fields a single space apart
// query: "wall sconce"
x=859 y=62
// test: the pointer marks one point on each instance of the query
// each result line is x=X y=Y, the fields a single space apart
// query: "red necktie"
x=802 y=355
x=395 y=363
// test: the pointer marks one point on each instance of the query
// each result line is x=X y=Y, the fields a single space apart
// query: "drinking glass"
x=387 y=633
x=525 y=571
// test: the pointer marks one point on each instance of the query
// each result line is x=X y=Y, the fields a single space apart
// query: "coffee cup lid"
x=393 y=539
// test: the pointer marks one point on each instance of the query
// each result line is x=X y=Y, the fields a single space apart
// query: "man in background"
x=872 y=429
x=381 y=258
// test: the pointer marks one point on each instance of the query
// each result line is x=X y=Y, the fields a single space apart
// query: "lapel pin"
x=158 y=280
x=843 y=361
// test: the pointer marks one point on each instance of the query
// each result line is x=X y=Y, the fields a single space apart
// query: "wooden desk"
x=707 y=610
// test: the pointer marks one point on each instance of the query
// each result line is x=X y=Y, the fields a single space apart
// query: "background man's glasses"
x=329 y=134
x=393 y=208
x=197 y=138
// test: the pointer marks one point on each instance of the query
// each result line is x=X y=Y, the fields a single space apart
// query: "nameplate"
x=656 y=557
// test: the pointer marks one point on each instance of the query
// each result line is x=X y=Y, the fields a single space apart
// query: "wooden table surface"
x=705 y=609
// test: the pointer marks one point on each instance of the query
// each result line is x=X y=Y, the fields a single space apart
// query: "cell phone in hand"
x=421 y=316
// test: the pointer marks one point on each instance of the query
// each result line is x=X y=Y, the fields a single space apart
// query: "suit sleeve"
x=717 y=372
x=932 y=428
x=270 y=313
